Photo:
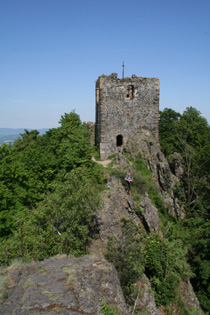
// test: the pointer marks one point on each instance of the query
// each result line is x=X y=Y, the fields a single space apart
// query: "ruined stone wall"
x=91 y=128
x=123 y=108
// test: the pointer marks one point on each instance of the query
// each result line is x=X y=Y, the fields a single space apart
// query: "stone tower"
x=124 y=107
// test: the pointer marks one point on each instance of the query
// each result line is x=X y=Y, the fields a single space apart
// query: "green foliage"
x=143 y=183
x=127 y=256
x=3 y=284
x=137 y=197
x=49 y=188
x=166 y=266
x=168 y=129
x=182 y=309
x=198 y=238
x=60 y=223
x=108 y=310
x=189 y=135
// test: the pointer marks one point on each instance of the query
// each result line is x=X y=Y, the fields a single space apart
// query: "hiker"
x=129 y=179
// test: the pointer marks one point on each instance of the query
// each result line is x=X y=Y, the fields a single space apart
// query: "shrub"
x=127 y=256
x=108 y=310
x=166 y=266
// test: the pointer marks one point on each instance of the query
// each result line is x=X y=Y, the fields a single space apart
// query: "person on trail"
x=129 y=179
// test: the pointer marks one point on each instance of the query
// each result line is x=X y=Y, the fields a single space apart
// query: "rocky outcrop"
x=176 y=165
x=163 y=178
x=150 y=216
x=145 y=302
x=64 y=286
x=117 y=205
x=187 y=293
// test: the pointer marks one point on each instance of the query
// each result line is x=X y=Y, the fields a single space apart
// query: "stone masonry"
x=123 y=108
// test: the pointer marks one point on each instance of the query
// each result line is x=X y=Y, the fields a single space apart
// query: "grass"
x=70 y=270
x=28 y=284
x=4 y=280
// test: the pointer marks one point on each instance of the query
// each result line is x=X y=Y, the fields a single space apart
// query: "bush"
x=127 y=256
x=166 y=266
x=108 y=310
x=60 y=223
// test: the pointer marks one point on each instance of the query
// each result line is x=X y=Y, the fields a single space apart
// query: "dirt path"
x=105 y=163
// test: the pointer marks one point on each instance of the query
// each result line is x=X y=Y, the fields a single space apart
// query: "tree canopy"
x=48 y=188
x=189 y=135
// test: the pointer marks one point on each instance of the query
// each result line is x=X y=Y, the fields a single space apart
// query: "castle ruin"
x=123 y=108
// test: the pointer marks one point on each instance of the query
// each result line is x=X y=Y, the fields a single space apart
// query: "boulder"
x=187 y=293
x=145 y=302
x=64 y=285
x=150 y=216
x=176 y=165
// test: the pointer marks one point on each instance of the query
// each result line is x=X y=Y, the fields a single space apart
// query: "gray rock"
x=162 y=176
x=145 y=303
x=176 y=165
x=150 y=215
x=187 y=293
x=116 y=205
x=64 y=286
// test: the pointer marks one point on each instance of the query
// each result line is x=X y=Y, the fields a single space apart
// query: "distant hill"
x=9 y=135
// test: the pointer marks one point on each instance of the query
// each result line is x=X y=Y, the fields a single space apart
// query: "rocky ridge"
x=64 y=285
x=67 y=285
x=165 y=181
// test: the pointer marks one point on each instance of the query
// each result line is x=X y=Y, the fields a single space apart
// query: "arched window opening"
x=119 y=140
x=130 y=92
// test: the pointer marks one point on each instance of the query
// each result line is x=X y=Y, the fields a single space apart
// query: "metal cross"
x=123 y=70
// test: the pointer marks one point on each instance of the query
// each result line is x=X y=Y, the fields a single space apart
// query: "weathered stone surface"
x=145 y=303
x=64 y=286
x=91 y=128
x=124 y=107
x=78 y=285
x=176 y=165
x=150 y=215
x=116 y=205
x=187 y=293
x=163 y=178
x=164 y=173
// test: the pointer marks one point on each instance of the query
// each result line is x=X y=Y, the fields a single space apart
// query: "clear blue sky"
x=52 y=52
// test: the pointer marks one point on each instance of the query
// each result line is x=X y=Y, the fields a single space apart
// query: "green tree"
x=190 y=136
x=168 y=128
x=29 y=168
x=60 y=223
x=166 y=266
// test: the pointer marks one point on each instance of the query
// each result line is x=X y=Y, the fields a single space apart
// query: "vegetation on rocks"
x=128 y=257
x=189 y=135
x=50 y=189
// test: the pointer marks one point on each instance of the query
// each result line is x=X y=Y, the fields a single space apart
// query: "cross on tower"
x=123 y=70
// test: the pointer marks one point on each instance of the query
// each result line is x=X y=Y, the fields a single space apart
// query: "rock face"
x=162 y=176
x=187 y=292
x=176 y=165
x=150 y=215
x=64 y=286
x=116 y=205
x=145 y=304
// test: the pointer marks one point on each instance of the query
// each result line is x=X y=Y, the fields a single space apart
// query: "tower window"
x=129 y=92
x=119 y=140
